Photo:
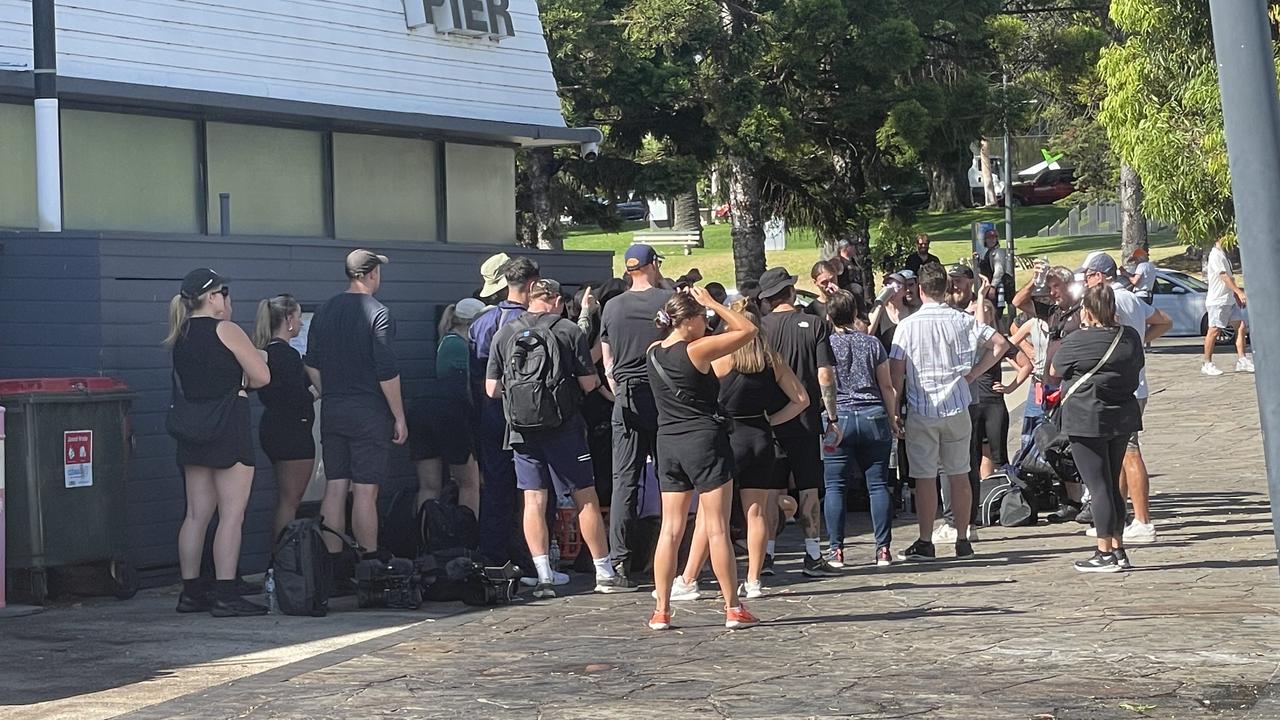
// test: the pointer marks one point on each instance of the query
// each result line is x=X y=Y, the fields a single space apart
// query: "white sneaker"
x=751 y=590
x=1140 y=533
x=1244 y=365
x=944 y=534
x=1210 y=370
x=971 y=534
x=680 y=591
x=557 y=578
x=1092 y=532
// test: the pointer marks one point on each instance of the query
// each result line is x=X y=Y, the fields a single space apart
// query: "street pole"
x=1006 y=172
x=48 y=133
x=1247 y=79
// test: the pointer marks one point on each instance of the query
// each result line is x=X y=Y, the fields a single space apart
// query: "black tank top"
x=692 y=403
x=207 y=368
x=745 y=395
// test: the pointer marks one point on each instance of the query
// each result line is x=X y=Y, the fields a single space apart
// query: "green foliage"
x=895 y=241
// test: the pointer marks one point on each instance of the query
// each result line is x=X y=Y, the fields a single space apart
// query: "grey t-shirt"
x=575 y=354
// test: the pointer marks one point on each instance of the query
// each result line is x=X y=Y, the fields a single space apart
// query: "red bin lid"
x=38 y=386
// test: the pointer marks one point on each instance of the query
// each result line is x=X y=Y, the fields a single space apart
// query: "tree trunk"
x=687 y=218
x=989 y=198
x=747 y=218
x=944 y=195
x=1133 y=222
x=861 y=240
x=545 y=230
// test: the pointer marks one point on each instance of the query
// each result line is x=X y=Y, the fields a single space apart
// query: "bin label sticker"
x=77 y=458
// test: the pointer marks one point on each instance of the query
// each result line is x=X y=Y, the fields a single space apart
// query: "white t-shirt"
x=1131 y=311
x=1146 y=274
x=1219 y=294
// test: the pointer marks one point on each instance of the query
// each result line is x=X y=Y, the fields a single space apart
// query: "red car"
x=1047 y=188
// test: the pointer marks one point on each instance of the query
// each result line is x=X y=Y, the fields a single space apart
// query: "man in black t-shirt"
x=803 y=343
x=627 y=330
x=350 y=360
x=551 y=455
x=922 y=256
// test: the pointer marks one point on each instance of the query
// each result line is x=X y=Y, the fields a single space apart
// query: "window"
x=17 y=166
x=1162 y=287
x=129 y=172
x=384 y=188
x=275 y=177
x=482 y=194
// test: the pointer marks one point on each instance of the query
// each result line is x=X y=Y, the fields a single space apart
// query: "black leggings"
x=1099 y=461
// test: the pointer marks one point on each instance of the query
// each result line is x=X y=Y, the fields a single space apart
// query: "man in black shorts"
x=350 y=360
x=627 y=331
x=551 y=455
x=802 y=342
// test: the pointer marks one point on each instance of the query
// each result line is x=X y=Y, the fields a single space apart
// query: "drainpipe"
x=48 y=140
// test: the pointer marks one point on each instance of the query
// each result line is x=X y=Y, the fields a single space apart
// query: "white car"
x=1181 y=297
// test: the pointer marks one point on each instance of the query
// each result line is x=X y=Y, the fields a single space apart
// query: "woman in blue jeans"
x=864 y=396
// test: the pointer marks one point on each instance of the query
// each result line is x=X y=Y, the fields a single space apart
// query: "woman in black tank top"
x=758 y=391
x=693 y=450
x=214 y=359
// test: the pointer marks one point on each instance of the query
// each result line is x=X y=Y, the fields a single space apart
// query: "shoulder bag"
x=198 y=422
x=1049 y=437
x=722 y=418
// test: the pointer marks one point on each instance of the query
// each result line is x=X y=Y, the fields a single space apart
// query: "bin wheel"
x=39 y=586
x=126 y=579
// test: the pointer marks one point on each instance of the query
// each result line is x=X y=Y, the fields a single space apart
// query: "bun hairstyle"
x=678 y=309
x=272 y=313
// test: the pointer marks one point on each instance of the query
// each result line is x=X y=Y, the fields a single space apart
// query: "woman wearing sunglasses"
x=213 y=362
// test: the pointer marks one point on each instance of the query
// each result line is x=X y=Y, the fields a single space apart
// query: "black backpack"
x=537 y=390
x=1006 y=501
x=444 y=528
x=303 y=569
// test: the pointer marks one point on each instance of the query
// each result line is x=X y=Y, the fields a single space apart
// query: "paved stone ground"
x=1015 y=633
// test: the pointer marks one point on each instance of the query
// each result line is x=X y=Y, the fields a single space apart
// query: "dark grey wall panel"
x=77 y=303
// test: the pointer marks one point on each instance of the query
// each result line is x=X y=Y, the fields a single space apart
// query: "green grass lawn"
x=950 y=233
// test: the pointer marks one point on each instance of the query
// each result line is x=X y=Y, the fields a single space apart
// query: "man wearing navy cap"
x=627 y=330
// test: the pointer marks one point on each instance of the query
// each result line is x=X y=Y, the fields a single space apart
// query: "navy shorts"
x=355 y=442
x=558 y=457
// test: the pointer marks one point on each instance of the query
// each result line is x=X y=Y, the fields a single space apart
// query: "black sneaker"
x=244 y=587
x=544 y=591
x=1099 y=563
x=615 y=584
x=818 y=567
x=1122 y=559
x=964 y=550
x=920 y=550
x=199 y=602
x=767 y=569
x=1085 y=516
x=235 y=607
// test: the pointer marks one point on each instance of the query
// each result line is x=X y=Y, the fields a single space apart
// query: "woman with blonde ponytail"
x=213 y=359
x=285 y=430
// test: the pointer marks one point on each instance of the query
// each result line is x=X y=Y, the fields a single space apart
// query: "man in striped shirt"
x=938 y=351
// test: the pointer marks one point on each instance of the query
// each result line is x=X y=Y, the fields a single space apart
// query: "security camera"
x=590 y=151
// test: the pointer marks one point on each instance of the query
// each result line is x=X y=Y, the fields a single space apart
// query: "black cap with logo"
x=200 y=281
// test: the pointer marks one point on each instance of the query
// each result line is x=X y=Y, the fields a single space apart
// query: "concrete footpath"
x=1015 y=633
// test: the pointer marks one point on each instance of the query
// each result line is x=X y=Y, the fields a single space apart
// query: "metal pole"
x=48 y=132
x=1006 y=172
x=1247 y=79
x=224 y=213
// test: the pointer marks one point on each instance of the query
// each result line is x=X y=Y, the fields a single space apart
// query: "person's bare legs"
x=772 y=519
x=467 y=476
x=699 y=550
x=364 y=515
x=675 y=509
x=988 y=465
x=927 y=505
x=755 y=505
x=535 y=522
x=430 y=479
x=202 y=501
x=292 y=478
x=714 y=508
x=591 y=523
x=1241 y=338
x=1135 y=484
x=811 y=514
x=961 y=502
x=1210 y=339
x=232 y=486
x=333 y=511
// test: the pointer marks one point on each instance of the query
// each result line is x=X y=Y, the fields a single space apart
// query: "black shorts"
x=799 y=457
x=699 y=460
x=356 y=442
x=991 y=426
x=753 y=455
x=286 y=439
x=441 y=428
x=234 y=446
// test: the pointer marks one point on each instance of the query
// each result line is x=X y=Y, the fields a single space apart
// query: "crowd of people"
x=727 y=407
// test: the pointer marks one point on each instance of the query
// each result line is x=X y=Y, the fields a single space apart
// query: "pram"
x=1046 y=472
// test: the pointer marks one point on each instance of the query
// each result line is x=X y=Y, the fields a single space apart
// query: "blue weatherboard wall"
x=96 y=304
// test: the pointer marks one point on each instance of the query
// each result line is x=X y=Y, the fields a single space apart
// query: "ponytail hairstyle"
x=272 y=312
x=755 y=356
x=679 y=308
x=446 y=320
x=180 y=309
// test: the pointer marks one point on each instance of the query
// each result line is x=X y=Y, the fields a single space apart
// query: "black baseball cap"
x=774 y=281
x=200 y=281
x=961 y=270
x=363 y=262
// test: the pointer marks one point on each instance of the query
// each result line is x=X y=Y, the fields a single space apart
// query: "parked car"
x=633 y=210
x=1047 y=188
x=1181 y=297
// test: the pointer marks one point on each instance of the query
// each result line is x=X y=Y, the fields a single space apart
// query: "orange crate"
x=567 y=535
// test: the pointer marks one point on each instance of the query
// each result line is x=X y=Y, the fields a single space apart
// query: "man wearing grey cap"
x=350 y=360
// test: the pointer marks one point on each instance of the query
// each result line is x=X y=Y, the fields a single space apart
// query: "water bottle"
x=273 y=607
x=830 y=440
x=554 y=553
